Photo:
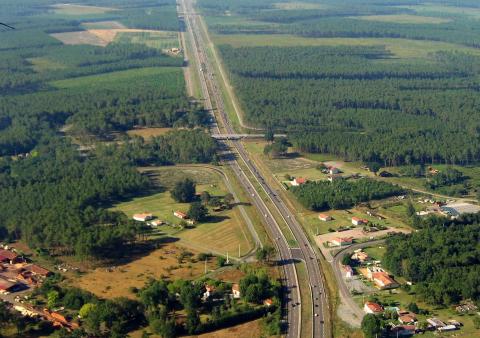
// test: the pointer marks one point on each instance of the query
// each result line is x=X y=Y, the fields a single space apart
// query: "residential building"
x=435 y=323
x=360 y=256
x=209 y=289
x=143 y=217
x=373 y=308
x=359 y=221
x=38 y=270
x=383 y=281
x=324 y=217
x=341 y=241
x=298 y=181
x=407 y=318
x=180 y=215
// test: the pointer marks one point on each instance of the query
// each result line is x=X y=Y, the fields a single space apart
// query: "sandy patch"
x=104 y=25
x=95 y=37
x=79 y=38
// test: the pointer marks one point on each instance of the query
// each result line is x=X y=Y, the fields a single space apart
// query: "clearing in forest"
x=404 y=19
x=72 y=9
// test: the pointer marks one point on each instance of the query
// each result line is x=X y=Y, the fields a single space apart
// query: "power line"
x=5 y=25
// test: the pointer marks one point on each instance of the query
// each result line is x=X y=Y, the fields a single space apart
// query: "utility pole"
x=228 y=262
x=205 y=266
x=239 y=253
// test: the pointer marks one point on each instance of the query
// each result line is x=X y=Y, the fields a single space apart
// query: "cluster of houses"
x=17 y=274
x=407 y=324
x=152 y=221
x=236 y=294
x=374 y=273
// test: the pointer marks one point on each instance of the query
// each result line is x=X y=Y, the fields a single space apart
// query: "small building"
x=359 y=221
x=360 y=256
x=298 y=181
x=372 y=308
x=180 y=215
x=7 y=256
x=333 y=170
x=341 y=241
x=156 y=223
x=268 y=302
x=447 y=328
x=383 y=281
x=38 y=270
x=142 y=217
x=347 y=269
x=332 y=178
x=403 y=330
x=408 y=318
x=324 y=217
x=209 y=289
x=236 y=291
x=435 y=322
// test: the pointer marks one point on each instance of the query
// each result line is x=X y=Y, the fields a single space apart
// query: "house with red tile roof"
x=373 y=308
x=298 y=181
x=341 y=241
x=324 y=217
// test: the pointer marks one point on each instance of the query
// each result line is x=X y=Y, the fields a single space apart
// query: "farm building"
x=7 y=256
x=143 y=217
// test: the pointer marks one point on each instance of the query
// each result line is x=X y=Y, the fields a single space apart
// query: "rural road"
x=237 y=155
x=356 y=313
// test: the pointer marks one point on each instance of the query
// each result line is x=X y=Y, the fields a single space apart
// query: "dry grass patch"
x=251 y=329
x=156 y=264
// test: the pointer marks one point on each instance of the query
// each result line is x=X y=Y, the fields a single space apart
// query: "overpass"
x=242 y=136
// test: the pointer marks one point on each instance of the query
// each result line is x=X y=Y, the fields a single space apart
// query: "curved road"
x=304 y=251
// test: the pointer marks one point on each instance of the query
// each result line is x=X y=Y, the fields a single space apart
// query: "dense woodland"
x=341 y=100
x=443 y=259
x=341 y=194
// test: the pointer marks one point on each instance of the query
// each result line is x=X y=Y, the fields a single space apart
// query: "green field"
x=299 y=5
x=430 y=8
x=225 y=231
x=404 y=18
x=400 y=48
x=157 y=75
x=160 y=40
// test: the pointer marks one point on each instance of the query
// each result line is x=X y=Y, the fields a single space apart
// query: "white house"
x=359 y=221
x=298 y=181
x=347 y=269
x=373 y=308
x=341 y=241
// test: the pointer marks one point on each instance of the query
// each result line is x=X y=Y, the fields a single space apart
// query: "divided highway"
x=304 y=251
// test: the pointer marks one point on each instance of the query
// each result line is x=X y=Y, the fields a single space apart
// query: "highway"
x=304 y=251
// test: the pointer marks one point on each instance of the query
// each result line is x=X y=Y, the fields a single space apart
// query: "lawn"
x=153 y=75
x=224 y=231
x=400 y=48
x=404 y=19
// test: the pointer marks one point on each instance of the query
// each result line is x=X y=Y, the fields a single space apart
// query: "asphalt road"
x=287 y=255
